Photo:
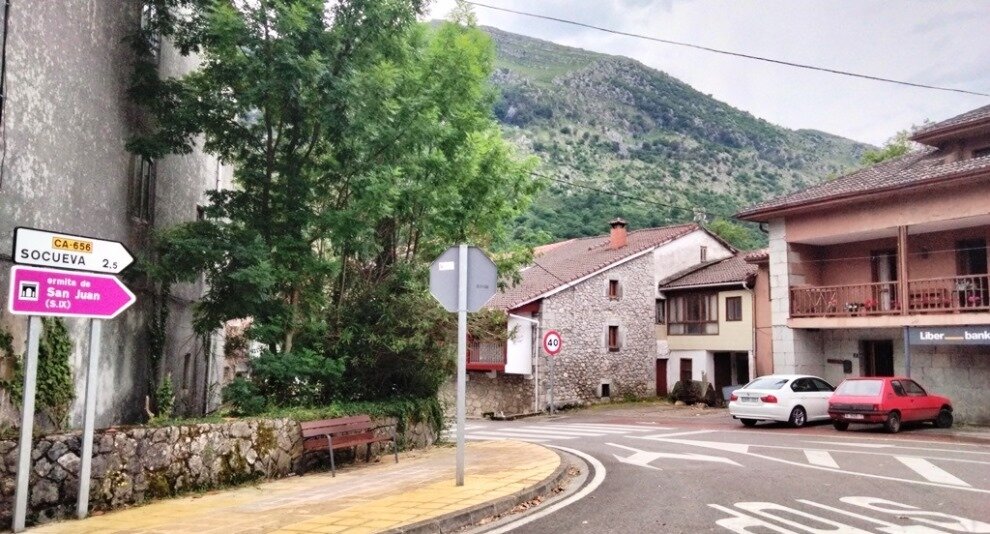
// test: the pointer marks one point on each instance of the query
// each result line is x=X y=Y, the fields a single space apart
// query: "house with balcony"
x=864 y=267
x=707 y=323
x=601 y=294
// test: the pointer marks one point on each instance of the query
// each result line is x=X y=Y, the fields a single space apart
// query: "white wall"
x=701 y=362
x=684 y=252
x=519 y=349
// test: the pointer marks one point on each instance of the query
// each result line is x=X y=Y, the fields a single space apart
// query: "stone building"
x=600 y=293
x=883 y=271
x=63 y=167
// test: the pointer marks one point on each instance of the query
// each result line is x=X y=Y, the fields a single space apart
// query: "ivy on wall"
x=55 y=388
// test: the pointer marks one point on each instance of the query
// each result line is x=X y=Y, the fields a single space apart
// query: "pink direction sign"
x=39 y=291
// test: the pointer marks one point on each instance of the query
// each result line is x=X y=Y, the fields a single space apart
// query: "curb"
x=475 y=514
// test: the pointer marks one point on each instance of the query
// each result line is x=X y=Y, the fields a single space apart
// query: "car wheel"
x=893 y=423
x=748 y=422
x=798 y=416
x=944 y=419
x=840 y=425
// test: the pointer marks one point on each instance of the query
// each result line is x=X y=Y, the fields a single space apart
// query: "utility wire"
x=693 y=211
x=730 y=53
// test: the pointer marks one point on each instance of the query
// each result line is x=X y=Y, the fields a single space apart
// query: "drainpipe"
x=536 y=358
x=752 y=351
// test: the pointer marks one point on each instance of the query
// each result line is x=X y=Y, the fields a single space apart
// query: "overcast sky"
x=933 y=42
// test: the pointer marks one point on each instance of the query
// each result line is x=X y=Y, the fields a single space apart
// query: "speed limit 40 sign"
x=552 y=343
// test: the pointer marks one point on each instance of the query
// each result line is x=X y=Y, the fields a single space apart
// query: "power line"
x=730 y=53
x=693 y=211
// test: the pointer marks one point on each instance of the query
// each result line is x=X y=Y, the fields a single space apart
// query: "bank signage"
x=67 y=251
x=950 y=335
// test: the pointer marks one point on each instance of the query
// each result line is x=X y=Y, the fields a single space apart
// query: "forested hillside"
x=624 y=127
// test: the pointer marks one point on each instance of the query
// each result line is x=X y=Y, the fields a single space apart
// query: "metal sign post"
x=461 y=359
x=89 y=419
x=552 y=344
x=462 y=279
x=27 y=423
x=42 y=291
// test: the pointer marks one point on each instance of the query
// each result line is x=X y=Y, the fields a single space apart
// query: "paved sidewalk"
x=361 y=499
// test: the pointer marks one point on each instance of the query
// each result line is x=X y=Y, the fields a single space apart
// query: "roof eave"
x=764 y=215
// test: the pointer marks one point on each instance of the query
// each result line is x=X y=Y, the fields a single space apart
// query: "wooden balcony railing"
x=485 y=356
x=952 y=294
x=841 y=301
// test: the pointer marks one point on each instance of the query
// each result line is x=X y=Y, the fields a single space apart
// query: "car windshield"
x=860 y=388
x=767 y=382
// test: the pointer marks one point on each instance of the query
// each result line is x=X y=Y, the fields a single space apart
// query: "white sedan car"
x=795 y=399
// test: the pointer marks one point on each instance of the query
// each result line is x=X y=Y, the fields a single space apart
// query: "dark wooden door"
x=877 y=358
x=723 y=371
x=662 y=377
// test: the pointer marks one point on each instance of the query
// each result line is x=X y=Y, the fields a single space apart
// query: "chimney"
x=617 y=238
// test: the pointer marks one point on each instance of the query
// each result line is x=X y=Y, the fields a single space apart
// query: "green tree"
x=362 y=145
x=896 y=146
x=743 y=237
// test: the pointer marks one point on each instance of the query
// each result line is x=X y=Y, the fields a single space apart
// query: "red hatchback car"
x=888 y=400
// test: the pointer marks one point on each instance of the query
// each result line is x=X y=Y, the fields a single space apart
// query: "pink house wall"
x=897 y=209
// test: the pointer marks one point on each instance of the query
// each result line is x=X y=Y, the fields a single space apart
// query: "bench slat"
x=338 y=429
x=338 y=421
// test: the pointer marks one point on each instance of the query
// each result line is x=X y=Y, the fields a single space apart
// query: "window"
x=614 y=341
x=142 y=204
x=766 y=383
x=733 y=308
x=693 y=314
x=802 y=385
x=860 y=388
x=822 y=385
x=704 y=254
x=686 y=369
x=613 y=290
x=152 y=38
x=661 y=311
x=913 y=389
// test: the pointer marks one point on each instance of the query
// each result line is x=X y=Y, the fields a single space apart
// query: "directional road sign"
x=552 y=342
x=482 y=279
x=51 y=292
x=68 y=251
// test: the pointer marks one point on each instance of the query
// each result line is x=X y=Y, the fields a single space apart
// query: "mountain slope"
x=619 y=125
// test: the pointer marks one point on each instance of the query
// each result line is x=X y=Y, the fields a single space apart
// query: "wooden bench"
x=341 y=433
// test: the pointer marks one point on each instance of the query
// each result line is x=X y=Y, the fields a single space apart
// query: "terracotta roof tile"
x=571 y=260
x=921 y=166
x=731 y=270
x=758 y=256
x=972 y=116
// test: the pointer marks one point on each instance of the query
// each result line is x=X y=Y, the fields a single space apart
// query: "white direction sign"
x=68 y=251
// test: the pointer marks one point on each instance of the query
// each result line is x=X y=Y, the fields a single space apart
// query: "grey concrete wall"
x=582 y=315
x=66 y=120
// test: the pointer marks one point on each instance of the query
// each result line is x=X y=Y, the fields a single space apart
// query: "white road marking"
x=521 y=437
x=744 y=449
x=584 y=492
x=627 y=428
x=930 y=471
x=853 y=514
x=672 y=434
x=889 y=446
x=822 y=458
x=643 y=458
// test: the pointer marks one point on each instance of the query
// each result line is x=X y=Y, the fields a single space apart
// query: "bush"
x=243 y=397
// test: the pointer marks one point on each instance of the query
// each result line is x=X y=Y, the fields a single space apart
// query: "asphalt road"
x=699 y=471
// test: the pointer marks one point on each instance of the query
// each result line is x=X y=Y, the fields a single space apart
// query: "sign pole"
x=89 y=419
x=553 y=365
x=27 y=423
x=462 y=289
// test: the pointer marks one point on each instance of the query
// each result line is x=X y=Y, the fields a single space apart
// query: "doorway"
x=687 y=370
x=876 y=357
x=662 y=390
x=723 y=370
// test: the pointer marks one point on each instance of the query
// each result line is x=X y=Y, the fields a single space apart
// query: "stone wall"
x=583 y=314
x=501 y=395
x=137 y=464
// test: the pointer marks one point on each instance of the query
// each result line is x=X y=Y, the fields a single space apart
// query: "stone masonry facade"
x=137 y=464
x=582 y=314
